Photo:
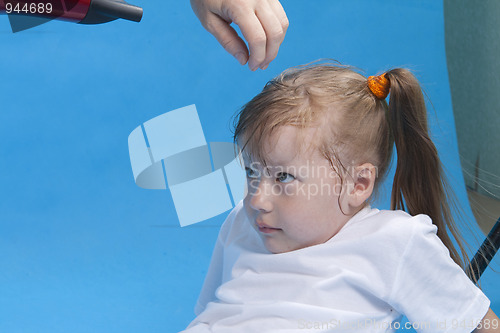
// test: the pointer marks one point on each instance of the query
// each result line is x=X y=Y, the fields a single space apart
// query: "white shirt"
x=379 y=266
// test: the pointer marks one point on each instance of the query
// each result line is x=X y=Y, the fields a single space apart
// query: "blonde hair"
x=357 y=127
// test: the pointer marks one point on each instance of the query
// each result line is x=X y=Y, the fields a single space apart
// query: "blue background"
x=82 y=248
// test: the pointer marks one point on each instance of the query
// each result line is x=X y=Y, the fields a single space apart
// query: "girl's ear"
x=364 y=177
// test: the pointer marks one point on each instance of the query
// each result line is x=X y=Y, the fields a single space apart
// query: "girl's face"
x=294 y=201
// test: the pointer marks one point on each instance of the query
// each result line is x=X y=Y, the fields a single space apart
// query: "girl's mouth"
x=264 y=228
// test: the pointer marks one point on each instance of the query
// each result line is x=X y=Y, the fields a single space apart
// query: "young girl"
x=304 y=251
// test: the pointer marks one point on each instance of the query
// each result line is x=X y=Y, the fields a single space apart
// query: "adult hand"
x=263 y=24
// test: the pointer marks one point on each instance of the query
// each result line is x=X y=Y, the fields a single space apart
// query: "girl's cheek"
x=294 y=190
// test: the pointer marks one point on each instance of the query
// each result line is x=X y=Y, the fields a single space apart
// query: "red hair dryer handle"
x=71 y=10
x=80 y=11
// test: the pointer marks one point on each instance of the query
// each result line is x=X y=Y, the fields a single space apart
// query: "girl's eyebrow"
x=283 y=167
x=275 y=163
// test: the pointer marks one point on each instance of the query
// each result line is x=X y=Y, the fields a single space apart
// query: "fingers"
x=263 y=24
x=275 y=41
x=273 y=37
x=228 y=38
x=264 y=31
x=254 y=33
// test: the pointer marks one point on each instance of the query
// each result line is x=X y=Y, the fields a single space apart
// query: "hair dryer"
x=25 y=14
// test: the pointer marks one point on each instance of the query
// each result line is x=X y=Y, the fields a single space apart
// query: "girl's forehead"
x=287 y=145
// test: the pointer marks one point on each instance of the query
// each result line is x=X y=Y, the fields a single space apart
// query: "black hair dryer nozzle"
x=101 y=11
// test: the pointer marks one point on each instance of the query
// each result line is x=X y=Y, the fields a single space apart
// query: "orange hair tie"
x=379 y=85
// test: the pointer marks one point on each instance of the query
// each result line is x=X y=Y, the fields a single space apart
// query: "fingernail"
x=264 y=67
x=242 y=58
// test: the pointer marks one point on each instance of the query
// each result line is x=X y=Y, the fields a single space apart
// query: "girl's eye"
x=250 y=173
x=284 y=177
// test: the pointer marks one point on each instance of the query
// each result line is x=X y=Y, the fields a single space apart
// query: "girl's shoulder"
x=401 y=221
x=391 y=226
x=389 y=217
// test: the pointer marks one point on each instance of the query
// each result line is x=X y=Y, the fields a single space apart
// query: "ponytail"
x=419 y=184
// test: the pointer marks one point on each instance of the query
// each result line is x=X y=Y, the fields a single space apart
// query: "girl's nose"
x=261 y=195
